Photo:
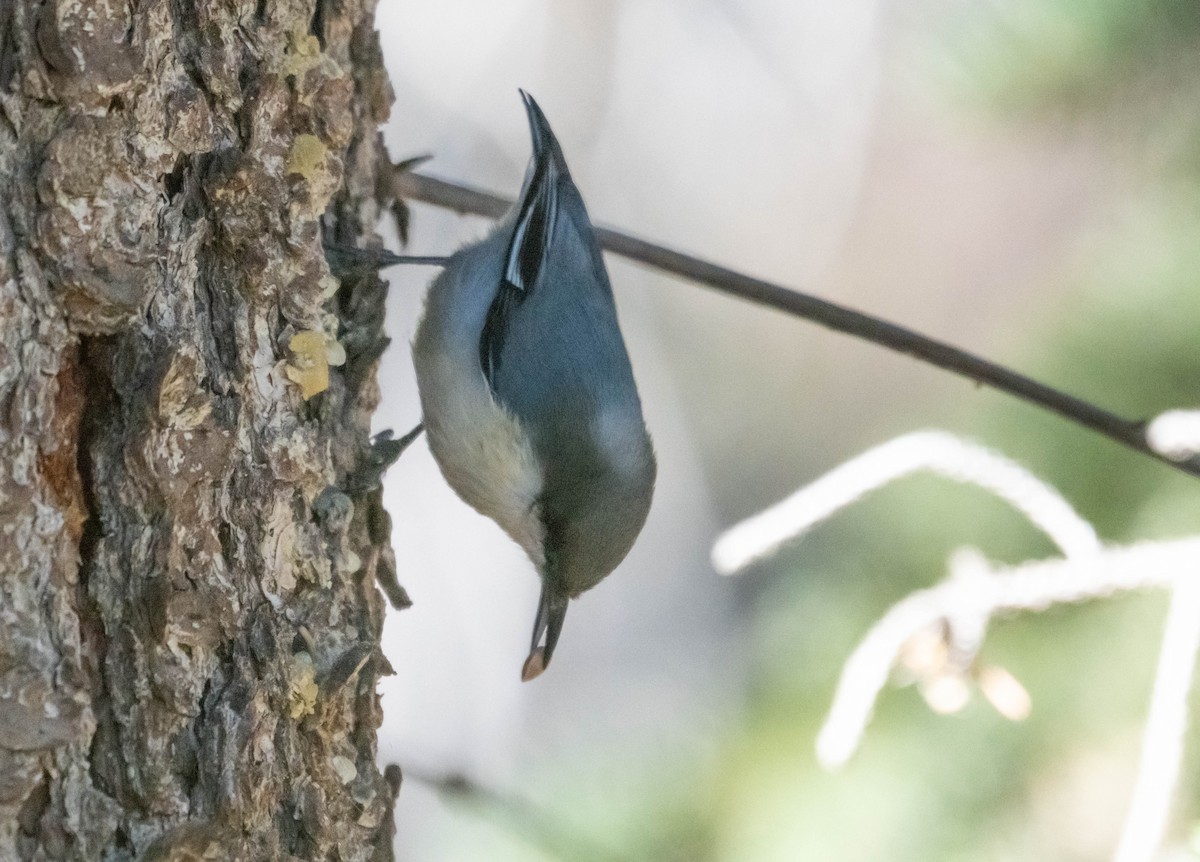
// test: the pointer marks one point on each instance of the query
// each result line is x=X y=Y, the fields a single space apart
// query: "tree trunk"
x=190 y=525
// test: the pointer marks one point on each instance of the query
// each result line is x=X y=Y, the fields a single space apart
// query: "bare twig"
x=539 y=827
x=1127 y=432
x=937 y=633
x=976 y=590
x=935 y=451
x=1166 y=727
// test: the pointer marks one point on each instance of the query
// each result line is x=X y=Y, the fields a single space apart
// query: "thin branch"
x=936 y=451
x=1166 y=727
x=1176 y=434
x=1127 y=432
x=976 y=591
x=535 y=825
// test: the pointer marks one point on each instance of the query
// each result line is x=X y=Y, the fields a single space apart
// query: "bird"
x=528 y=397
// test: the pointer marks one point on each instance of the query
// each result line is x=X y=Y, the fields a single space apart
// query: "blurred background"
x=1018 y=177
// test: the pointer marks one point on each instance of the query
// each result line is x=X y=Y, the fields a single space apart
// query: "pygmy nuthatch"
x=527 y=394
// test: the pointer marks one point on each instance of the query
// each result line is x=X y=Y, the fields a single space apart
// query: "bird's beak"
x=552 y=610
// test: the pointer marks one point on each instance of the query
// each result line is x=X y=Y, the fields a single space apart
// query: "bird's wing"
x=536 y=219
x=560 y=361
x=537 y=214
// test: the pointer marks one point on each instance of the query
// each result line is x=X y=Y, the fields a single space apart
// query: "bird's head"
x=589 y=525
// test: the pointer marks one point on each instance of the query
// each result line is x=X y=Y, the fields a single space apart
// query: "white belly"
x=480 y=447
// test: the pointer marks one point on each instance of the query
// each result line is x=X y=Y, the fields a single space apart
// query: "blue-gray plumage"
x=527 y=393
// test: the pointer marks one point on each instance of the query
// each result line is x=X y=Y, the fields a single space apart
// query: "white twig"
x=1166 y=727
x=960 y=609
x=936 y=451
x=973 y=589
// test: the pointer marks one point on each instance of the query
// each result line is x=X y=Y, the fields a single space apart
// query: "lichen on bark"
x=189 y=621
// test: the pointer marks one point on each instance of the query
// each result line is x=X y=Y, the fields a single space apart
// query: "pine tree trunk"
x=190 y=526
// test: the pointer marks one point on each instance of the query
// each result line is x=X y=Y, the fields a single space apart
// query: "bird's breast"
x=482 y=449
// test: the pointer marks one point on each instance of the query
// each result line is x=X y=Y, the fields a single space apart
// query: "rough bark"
x=189 y=524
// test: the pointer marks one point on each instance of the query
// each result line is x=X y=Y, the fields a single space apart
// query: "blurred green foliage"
x=1073 y=55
